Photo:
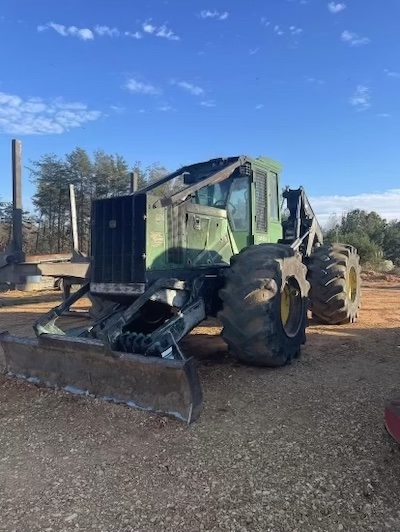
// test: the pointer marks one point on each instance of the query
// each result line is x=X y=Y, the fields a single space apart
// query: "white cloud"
x=134 y=35
x=254 y=51
x=56 y=27
x=59 y=28
x=208 y=103
x=259 y=106
x=166 y=108
x=166 y=33
x=35 y=116
x=391 y=73
x=314 y=81
x=385 y=203
x=140 y=87
x=384 y=115
x=336 y=7
x=292 y=30
x=189 y=87
x=206 y=13
x=82 y=33
x=148 y=28
x=361 y=98
x=161 y=31
x=106 y=31
x=117 y=109
x=354 y=39
x=295 y=31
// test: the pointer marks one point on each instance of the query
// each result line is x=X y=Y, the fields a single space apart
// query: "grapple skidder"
x=161 y=262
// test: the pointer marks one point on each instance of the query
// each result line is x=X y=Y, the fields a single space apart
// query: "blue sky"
x=311 y=83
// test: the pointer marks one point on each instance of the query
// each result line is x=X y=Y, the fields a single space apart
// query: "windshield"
x=232 y=195
x=214 y=195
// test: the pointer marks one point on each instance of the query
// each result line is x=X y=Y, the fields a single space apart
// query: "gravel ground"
x=300 y=448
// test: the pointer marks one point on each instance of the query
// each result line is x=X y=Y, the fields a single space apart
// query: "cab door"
x=239 y=212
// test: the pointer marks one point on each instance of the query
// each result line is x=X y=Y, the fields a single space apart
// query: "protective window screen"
x=261 y=201
x=273 y=196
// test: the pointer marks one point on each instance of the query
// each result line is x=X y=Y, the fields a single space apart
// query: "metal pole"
x=16 y=151
x=134 y=181
x=74 y=222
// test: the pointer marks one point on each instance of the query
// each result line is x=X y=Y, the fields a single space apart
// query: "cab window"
x=238 y=204
x=214 y=195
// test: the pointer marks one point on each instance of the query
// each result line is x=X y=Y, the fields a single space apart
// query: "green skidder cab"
x=206 y=240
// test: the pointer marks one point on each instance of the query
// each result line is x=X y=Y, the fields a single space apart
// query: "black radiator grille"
x=118 y=239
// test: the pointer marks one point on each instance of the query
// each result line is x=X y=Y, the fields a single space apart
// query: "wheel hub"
x=352 y=284
x=291 y=307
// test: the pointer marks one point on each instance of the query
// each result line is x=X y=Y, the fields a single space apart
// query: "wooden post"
x=74 y=222
x=17 y=239
x=134 y=181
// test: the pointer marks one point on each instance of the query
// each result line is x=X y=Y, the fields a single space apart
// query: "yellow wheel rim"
x=285 y=305
x=292 y=307
x=352 y=284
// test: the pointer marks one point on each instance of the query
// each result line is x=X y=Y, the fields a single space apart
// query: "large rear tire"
x=265 y=303
x=334 y=273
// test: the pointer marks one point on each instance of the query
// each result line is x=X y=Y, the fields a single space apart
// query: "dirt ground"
x=301 y=448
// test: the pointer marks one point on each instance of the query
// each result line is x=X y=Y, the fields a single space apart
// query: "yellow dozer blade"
x=88 y=367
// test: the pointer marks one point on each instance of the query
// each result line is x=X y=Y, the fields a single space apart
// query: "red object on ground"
x=392 y=418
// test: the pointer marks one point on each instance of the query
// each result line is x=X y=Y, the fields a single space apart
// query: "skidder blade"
x=89 y=367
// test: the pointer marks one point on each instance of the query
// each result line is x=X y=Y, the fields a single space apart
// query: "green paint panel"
x=207 y=240
x=156 y=236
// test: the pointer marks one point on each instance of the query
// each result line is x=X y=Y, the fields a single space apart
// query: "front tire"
x=264 y=313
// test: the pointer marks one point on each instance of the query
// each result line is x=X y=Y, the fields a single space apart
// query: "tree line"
x=375 y=238
x=48 y=228
x=102 y=175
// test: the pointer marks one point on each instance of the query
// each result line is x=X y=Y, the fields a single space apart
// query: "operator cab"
x=232 y=195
